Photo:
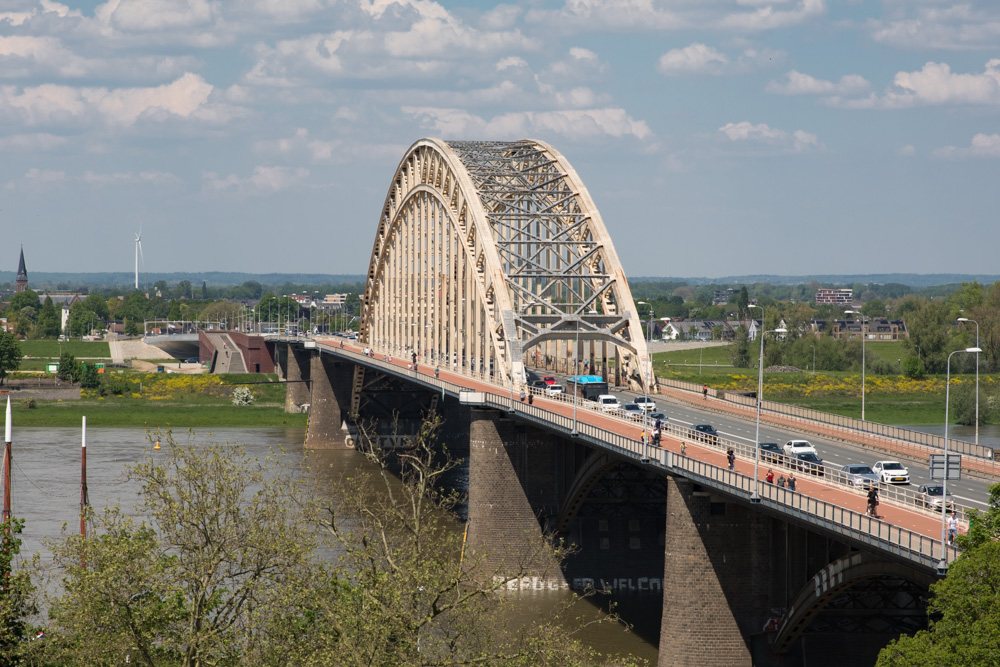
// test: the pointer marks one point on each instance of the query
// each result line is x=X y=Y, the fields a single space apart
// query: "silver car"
x=858 y=474
x=930 y=495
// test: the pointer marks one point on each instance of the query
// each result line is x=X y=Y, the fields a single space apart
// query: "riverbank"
x=160 y=400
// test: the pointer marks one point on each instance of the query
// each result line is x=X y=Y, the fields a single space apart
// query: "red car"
x=548 y=379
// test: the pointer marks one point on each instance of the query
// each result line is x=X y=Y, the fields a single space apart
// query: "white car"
x=645 y=402
x=608 y=403
x=793 y=447
x=891 y=472
x=554 y=390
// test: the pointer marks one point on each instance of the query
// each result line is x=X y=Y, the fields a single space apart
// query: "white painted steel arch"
x=485 y=250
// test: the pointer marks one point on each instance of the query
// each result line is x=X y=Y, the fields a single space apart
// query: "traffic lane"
x=835 y=453
x=903 y=517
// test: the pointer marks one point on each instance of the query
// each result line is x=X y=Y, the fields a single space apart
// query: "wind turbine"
x=138 y=253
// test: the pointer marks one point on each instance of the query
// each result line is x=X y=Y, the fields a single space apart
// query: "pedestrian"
x=770 y=476
x=413 y=358
x=781 y=481
x=731 y=457
x=684 y=448
x=642 y=437
x=952 y=527
x=704 y=392
x=791 y=481
x=437 y=371
x=656 y=437
x=530 y=398
x=523 y=396
x=658 y=424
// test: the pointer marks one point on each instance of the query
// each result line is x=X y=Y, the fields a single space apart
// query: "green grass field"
x=118 y=412
x=78 y=348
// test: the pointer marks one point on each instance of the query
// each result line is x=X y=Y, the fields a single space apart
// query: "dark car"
x=860 y=475
x=809 y=462
x=192 y=360
x=705 y=433
x=771 y=452
x=539 y=384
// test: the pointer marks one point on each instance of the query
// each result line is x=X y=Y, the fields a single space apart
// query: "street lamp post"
x=648 y=378
x=863 y=336
x=576 y=389
x=760 y=392
x=966 y=319
x=943 y=565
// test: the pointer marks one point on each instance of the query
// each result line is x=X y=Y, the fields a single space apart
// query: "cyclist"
x=873 y=501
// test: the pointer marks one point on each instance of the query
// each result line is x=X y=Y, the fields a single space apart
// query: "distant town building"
x=843 y=296
x=721 y=296
x=63 y=301
x=334 y=301
x=877 y=328
x=22 y=275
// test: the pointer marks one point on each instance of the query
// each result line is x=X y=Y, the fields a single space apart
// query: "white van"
x=608 y=403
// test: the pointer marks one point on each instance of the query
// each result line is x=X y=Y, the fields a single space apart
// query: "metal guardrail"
x=833 y=518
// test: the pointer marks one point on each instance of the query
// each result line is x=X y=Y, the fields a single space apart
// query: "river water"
x=46 y=494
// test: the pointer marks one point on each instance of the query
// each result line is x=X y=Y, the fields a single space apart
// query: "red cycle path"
x=912 y=519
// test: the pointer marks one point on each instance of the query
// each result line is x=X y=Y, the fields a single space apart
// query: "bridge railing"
x=884 y=431
x=840 y=520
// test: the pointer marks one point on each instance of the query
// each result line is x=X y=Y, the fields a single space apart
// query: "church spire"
x=21 y=284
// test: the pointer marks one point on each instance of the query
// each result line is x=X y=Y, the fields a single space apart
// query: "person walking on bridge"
x=731 y=457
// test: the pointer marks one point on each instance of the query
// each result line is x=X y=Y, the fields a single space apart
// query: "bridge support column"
x=296 y=372
x=511 y=483
x=716 y=578
x=330 y=402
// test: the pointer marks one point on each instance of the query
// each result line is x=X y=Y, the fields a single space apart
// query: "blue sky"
x=717 y=137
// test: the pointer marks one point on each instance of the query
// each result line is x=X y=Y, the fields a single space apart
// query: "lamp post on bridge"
x=576 y=390
x=966 y=319
x=943 y=564
x=755 y=496
x=646 y=380
x=863 y=336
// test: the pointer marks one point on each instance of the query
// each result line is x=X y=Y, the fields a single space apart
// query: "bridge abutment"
x=330 y=401
x=511 y=483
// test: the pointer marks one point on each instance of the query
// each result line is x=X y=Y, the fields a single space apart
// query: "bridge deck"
x=900 y=531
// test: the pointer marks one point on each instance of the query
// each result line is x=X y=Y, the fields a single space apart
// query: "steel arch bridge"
x=487 y=249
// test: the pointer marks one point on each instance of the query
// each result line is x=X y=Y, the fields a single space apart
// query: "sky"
x=717 y=137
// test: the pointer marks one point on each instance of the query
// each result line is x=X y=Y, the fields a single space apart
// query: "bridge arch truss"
x=486 y=250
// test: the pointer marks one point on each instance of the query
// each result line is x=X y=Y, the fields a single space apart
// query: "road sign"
x=937 y=466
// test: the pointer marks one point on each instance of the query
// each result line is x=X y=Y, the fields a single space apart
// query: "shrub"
x=242 y=396
x=28 y=403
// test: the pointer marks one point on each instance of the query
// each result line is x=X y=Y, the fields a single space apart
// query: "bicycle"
x=872 y=509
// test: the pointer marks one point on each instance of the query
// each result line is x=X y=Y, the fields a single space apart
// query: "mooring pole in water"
x=84 y=499
x=7 y=456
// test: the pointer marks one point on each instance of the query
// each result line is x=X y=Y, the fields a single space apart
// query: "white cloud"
x=42 y=179
x=264 y=180
x=797 y=83
x=907 y=150
x=155 y=15
x=128 y=178
x=574 y=124
x=982 y=145
x=797 y=141
x=935 y=84
x=511 y=62
x=23 y=56
x=693 y=59
x=939 y=25
x=186 y=97
x=31 y=142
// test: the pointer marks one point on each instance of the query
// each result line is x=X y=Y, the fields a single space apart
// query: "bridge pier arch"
x=330 y=400
x=512 y=484
x=296 y=369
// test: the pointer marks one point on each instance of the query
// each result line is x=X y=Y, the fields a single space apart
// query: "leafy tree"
x=96 y=304
x=49 y=320
x=204 y=290
x=70 y=370
x=183 y=289
x=913 y=367
x=741 y=348
x=89 y=377
x=874 y=308
x=742 y=304
x=15 y=595
x=81 y=320
x=414 y=601
x=23 y=299
x=10 y=354
x=929 y=328
x=224 y=555
x=175 y=311
x=964 y=608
